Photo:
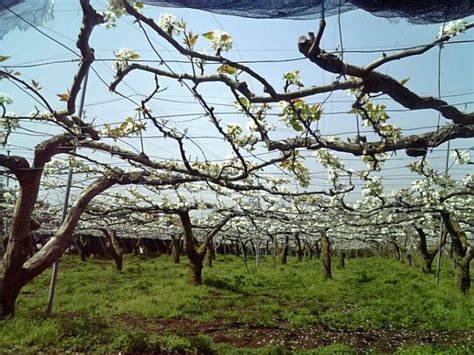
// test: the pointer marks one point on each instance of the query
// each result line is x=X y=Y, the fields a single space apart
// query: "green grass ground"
x=373 y=306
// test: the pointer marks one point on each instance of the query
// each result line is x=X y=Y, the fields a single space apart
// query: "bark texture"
x=461 y=252
x=299 y=249
x=194 y=251
x=283 y=251
x=175 y=249
x=326 y=255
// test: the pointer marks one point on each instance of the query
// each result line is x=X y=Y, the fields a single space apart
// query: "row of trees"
x=245 y=199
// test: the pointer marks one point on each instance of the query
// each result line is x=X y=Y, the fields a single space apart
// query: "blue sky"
x=253 y=40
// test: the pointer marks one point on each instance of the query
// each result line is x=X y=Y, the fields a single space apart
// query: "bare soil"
x=253 y=336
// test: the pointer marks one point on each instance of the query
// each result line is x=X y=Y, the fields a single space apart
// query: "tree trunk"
x=462 y=254
x=136 y=248
x=283 y=256
x=10 y=287
x=427 y=266
x=462 y=276
x=409 y=259
x=326 y=255
x=341 y=257
x=274 y=250
x=317 y=250
x=252 y=249
x=80 y=248
x=211 y=255
x=113 y=248
x=307 y=251
x=175 y=249
x=299 y=249
x=267 y=247
x=195 y=270
x=427 y=254
x=195 y=253
x=283 y=252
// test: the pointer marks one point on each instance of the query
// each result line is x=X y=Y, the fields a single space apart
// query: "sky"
x=254 y=40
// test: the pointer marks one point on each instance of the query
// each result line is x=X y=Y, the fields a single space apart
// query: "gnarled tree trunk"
x=326 y=255
x=283 y=251
x=462 y=254
x=175 y=248
x=341 y=257
x=113 y=248
x=194 y=252
x=427 y=254
x=317 y=249
x=211 y=254
x=299 y=249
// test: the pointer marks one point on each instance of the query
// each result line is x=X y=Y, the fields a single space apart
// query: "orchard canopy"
x=350 y=131
x=13 y=13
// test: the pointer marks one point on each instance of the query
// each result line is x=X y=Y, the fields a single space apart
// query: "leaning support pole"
x=54 y=274
x=441 y=224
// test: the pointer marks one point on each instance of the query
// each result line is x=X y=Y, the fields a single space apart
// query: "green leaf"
x=404 y=81
x=296 y=125
x=208 y=35
x=4 y=58
x=225 y=37
x=227 y=69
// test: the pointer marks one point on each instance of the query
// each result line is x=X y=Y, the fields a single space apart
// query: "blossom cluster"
x=115 y=10
x=123 y=57
x=170 y=24
x=293 y=78
x=219 y=40
x=374 y=187
x=461 y=157
x=5 y=99
x=233 y=129
x=452 y=28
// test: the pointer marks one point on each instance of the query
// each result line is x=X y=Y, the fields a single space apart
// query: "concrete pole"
x=441 y=224
x=54 y=274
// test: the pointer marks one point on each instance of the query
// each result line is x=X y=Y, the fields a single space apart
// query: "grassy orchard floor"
x=374 y=305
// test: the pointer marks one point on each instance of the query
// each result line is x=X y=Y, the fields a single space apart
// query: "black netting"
x=417 y=11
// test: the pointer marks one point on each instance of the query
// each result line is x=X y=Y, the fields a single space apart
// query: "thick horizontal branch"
x=56 y=145
x=14 y=163
x=422 y=141
x=375 y=82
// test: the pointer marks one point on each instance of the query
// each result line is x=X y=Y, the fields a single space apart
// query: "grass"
x=368 y=294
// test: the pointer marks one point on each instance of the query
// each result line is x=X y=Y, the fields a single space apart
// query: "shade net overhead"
x=21 y=14
x=416 y=11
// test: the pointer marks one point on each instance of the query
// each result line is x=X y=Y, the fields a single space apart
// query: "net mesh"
x=416 y=11
x=19 y=14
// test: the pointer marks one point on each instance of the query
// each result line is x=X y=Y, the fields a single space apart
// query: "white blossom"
x=452 y=28
x=461 y=157
x=5 y=99
x=251 y=126
x=170 y=24
x=233 y=129
x=8 y=196
x=116 y=7
x=123 y=57
x=220 y=40
x=41 y=115
x=110 y=20
x=283 y=105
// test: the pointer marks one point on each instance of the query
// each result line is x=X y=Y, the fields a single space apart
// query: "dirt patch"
x=244 y=335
